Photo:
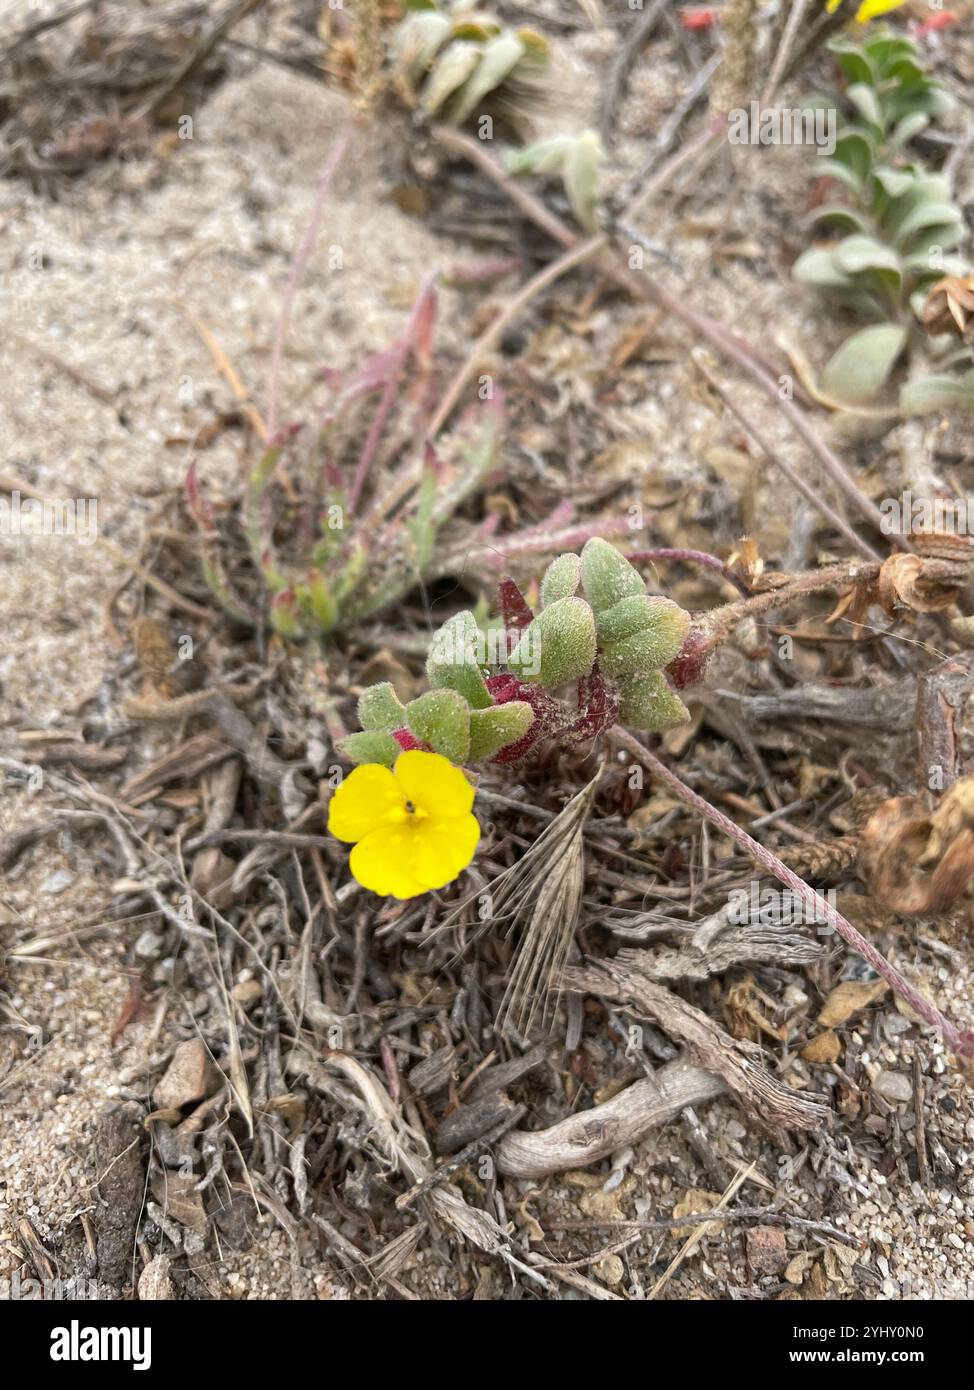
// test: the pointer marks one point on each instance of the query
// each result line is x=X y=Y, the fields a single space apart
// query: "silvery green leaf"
x=859 y=370
x=930 y=393
x=894 y=182
x=853 y=150
x=906 y=128
x=928 y=215
x=832 y=169
x=854 y=61
x=817 y=267
x=543 y=157
x=500 y=57
x=866 y=102
x=449 y=74
x=417 y=41
x=581 y=177
x=840 y=216
x=854 y=254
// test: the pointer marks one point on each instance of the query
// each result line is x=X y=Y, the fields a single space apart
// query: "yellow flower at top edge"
x=411 y=825
x=869 y=9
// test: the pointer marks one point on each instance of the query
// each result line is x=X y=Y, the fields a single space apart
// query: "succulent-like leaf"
x=664 y=619
x=581 y=177
x=449 y=74
x=817 y=267
x=860 y=368
x=647 y=702
x=855 y=254
x=500 y=56
x=559 y=646
x=452 y=662
x=607 y=576
x=495 y=728
x=561 y=579
x=647 y=650
x=441 y=718
x=370 y=747
x=379 y=707
x=930 y=393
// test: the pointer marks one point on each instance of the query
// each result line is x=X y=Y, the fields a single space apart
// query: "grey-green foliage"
x=460 y=61
x=900 y=229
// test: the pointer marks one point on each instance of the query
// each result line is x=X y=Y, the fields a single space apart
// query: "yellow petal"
x=432 y=783
x=381 y=862
x=870 y=9
x=443 y=849
x=367 y=799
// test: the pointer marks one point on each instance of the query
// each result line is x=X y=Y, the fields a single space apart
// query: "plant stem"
x=959 y=1041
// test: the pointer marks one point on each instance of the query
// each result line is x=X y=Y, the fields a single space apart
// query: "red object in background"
x=935 y=22
x=699 y=17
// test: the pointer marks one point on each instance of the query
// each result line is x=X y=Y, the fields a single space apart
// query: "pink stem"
x=958 y=1040
x=690 y=557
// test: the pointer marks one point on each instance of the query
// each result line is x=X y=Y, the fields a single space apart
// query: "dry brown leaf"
x=824 y=1049
x=849 y=998
x=901 y=584
x=915 y=862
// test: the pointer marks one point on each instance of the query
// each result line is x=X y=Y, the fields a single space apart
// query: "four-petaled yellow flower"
x=869 y=9
x=411 y=825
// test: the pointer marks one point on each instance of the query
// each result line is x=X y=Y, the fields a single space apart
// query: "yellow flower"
x=869 y=9
x=411 y=825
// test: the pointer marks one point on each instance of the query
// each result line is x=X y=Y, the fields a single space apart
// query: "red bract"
x=691 y=665
x=514 y=607
x=406 y=740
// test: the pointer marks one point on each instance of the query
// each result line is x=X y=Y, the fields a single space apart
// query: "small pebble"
x=893 y=1086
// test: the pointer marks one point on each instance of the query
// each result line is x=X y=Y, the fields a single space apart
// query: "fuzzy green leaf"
x=370 y=747
x=607 y=576
x=379 y=707
x=650 y=649
x=647 y=702
x=452 y=662
x=441 y=718
x=860 y=369
x=493 y=729
x=561 y=579
x=666 y=620
x=559 y=646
